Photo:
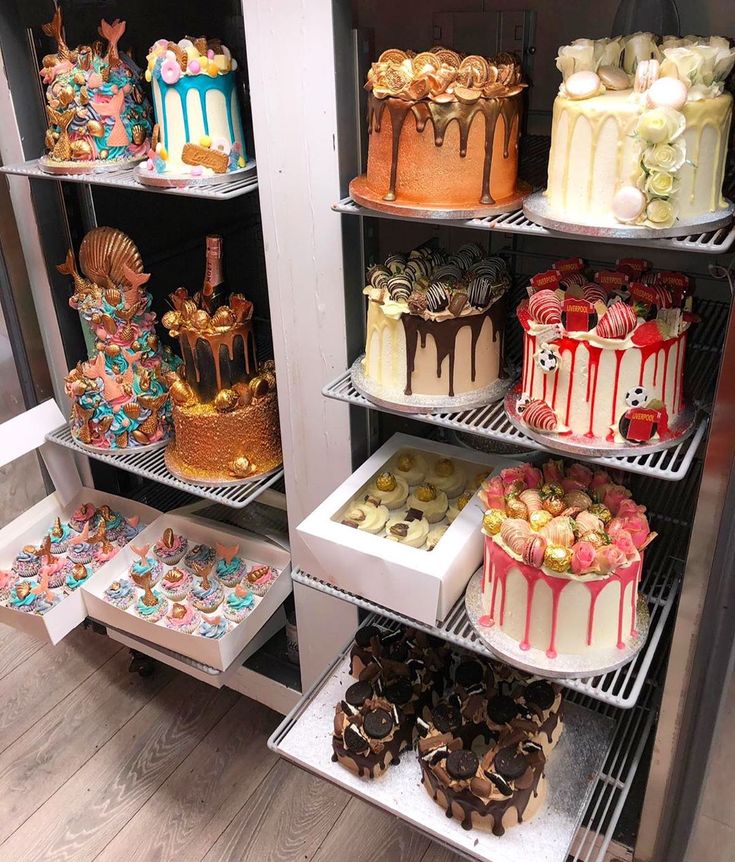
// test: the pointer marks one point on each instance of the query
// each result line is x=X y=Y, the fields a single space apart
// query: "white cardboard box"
x=215 y=653
x=18 y=436
x=420 y=584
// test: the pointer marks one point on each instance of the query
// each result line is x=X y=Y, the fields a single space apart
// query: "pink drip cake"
x=563 y=559
x=603 y=356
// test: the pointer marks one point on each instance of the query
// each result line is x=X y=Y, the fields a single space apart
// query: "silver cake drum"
x=173 y=180
x=128 y=450
x=362 y=194
x=536 y=661
x=70 y=169
x=536 y=208
x=400 y=403
x=595 y=447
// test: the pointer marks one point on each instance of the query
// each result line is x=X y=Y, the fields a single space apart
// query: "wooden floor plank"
x=59 y=744
x=85 y=814
x=15 y=648
x=44 y=679
x=364 y=833
x=209 y=788
x=286 y=820
x=437 y=853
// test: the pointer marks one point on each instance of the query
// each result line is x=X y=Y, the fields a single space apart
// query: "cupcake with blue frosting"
x=120 y=593
x=146 y=565
x=198 y=556
x=81 y=549
x=78 y=575
x=22 y=598
x=208 y=595
x=114 y=522
x=213 y=627
x=239 y=604
x=151 y=606
x=230 y=568
x=28 y=563
x=60 y=535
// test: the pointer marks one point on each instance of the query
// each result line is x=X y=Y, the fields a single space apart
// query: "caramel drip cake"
x=435 y=326
x=225 y=407
x=483 y=731
x=97 y=112
x=120 y=394
x=443 y=131
x=563 y=558
x=604 y=354
x=639 y=131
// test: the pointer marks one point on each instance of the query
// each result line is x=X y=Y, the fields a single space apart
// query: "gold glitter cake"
x=225 y=406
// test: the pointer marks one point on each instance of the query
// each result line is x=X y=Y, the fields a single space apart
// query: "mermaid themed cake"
x=198 y=131
x=119 y=395
x=97 y=112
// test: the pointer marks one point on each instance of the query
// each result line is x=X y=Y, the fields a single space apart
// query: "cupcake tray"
x=413 y=404
x=220 y=653
x=581 y=446
x=304 y=738
x=174 y=180
x=364 y=195
x=536 y=661
x=30 y=528
x=536 y=207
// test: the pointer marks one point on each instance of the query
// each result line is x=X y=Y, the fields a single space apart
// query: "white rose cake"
x=639 y=131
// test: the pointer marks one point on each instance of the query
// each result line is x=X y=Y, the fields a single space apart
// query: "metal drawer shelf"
x=620 y=688
x=491 y=422
x=224 y=189
x=151 y=465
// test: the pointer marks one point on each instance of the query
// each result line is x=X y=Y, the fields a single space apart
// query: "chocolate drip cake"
x=225 y=406
x=435 y=326
x=443 y=132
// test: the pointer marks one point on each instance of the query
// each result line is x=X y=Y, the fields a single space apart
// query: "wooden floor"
x=98 y=763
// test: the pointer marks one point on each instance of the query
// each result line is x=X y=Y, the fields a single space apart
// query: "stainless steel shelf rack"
x=151 y=465
x=224 y=189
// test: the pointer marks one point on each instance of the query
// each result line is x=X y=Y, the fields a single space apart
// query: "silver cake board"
x=362 y=194
x=305 y=738
x=536 y=208
x=98 y=166
x=128 y=450
x=536 y=661
x=595 y=447
x=400 y=403
x=174 y=180
x=217 y=483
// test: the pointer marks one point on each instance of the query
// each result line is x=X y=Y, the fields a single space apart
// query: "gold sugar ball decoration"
x=406 y=462
x=554 y=506
x=595 y=539
x=225 y=400
x=463 y=500
x=492 y=521
x=557 y=559
x=386 y=482
x=425 y=493
x=516 y=508
x=241 y=467
x=602 y=512
x=539 y=519
x=444 y=467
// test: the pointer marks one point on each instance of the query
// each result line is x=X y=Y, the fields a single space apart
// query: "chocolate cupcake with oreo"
x=495 y=790
x=367 y=739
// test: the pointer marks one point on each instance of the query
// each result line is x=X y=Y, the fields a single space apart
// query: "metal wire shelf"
x=151 y=465
x=224 y=189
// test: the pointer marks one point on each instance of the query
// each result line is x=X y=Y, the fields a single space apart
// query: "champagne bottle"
x=214 y=291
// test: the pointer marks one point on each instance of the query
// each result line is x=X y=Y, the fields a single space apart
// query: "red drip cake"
x=563 y=559
x=603 y=357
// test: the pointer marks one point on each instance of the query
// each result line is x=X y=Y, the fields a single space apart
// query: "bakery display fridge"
x=299 y=244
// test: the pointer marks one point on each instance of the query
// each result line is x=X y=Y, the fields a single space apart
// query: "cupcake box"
x=217 y=653
x=421 y=584
x=18 y=436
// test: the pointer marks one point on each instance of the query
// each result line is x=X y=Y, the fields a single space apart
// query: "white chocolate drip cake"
x=640 y=130
x=435 y=327
x=604 y=354
x=563 y=558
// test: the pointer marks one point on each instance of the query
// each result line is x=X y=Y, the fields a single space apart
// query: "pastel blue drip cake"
x=199 y=131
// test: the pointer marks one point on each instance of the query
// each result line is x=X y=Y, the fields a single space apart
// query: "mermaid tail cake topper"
x=227 y=552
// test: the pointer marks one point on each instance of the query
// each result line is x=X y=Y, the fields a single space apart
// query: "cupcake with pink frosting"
x=259 y=579
x=182 y=618
x=83 y=515
x=7 y=581
x=230 y=568
x=170 y=548
x=176 y=584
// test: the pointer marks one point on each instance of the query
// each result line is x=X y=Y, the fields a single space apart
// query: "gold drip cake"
x=225 y=405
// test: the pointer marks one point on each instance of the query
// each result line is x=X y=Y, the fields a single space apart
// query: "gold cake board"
x=536 y=208
x=173 y=467
x=362 y=194
x=564 y=666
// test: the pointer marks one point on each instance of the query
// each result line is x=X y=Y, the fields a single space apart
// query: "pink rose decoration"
x=553 y=471
x=630 y=507
x=580 y=473
x=600 y=477
x=584 y=557
x=637 y=526
x=511 y=474
x=170 y=70
x=624 y=541
x=610 y=558
x=532 y=476
x=572 y=485
x=492 y=494
x=614 y=497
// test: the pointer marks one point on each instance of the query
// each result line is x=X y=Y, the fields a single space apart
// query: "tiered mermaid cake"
x=199 y=132
x=120 y=398
x=640 y=131
x=563 y=558
x=443 y=132
x=435 y=326
x=603 y=357
x=225 y=405
x=98 y=115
